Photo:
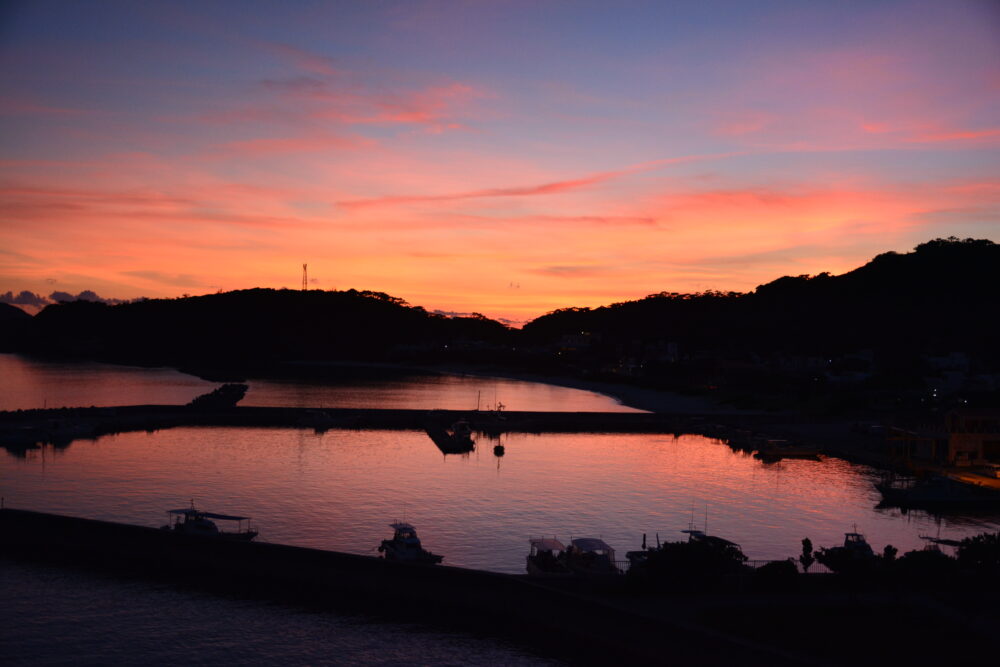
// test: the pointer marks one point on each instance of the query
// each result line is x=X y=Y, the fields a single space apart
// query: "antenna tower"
x=305 y=278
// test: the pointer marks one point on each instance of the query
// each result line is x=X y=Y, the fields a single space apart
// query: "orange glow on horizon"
x=500 y=181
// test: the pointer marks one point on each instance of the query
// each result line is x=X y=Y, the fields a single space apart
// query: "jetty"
x=572 y=622
x=26 y=429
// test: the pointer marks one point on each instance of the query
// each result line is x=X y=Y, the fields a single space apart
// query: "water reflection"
x=30 y=383
x=338 y=490
x=431 y=392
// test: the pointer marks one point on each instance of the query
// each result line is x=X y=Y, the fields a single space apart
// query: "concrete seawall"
x=28 y=428
x=582 y=625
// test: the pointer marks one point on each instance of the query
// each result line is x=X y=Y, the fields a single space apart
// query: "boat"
x=695 y=535
x=547 y=556
x=856 y=544
x=457 y=439
x=194 y=522
x=221 y=398
x=855 y=555
x=590 y=556
x=405 y=546
x=640 y=557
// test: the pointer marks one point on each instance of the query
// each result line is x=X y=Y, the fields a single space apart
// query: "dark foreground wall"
x=583 y=626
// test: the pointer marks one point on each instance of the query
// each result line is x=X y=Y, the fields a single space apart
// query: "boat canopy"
x=400 y=525
x=547 y=544
x=591 y=544
x=208 y=515
x=700 y=536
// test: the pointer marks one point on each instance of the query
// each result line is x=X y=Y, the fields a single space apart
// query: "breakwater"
x=579 y=623
x=24 y=429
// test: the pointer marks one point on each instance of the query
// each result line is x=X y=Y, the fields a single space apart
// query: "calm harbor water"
x=31 y=383
x=339 y=490
x=54 y=616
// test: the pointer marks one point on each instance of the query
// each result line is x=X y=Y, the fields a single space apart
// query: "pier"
x=573 y=622
x=26 y=429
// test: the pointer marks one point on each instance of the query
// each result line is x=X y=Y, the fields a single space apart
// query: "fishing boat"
x=590 y=556
x=547 y=556
x=405 y=546
x=194 y=522
x=856 y=555
x=695 y=535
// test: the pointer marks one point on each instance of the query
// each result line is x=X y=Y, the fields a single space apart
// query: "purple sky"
x=504 y=157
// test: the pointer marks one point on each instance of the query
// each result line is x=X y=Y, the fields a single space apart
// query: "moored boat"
x=194 y=522
x=457 y=439
x=405 y=546
x=856 y=555
x=547 y=556
x=590 y=556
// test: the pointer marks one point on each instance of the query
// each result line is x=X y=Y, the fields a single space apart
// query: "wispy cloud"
x=26 y=107
x=547 y=188
x=553 y=187
x=176 y=280
x=571 y=270
x=964 y=136
x=325 y=92
x=302 y=59
x=288 y=145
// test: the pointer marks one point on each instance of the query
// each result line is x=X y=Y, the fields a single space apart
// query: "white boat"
x=191 y=521
x=405 y=546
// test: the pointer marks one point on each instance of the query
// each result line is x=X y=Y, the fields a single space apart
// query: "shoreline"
x=832 y=436
x=632 y=396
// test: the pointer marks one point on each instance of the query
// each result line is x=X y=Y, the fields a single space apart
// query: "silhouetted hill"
x=9 y=313
x=890 y=313
x=942 y=297
x=253 y=327
x=14 y=323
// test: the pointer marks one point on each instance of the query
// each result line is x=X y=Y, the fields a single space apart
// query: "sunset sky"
x=502 y=157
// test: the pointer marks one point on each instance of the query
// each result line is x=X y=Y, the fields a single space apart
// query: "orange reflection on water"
x=339 y=490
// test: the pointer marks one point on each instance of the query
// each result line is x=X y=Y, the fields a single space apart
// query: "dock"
x=575 y=624
x=26 y=429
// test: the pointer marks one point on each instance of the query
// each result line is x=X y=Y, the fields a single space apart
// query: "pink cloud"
x=23 y=107
x=554 y=187
x=547 y=188
x=965 y=136
x=300 y=144
x=301 y=58
x=739 y=124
